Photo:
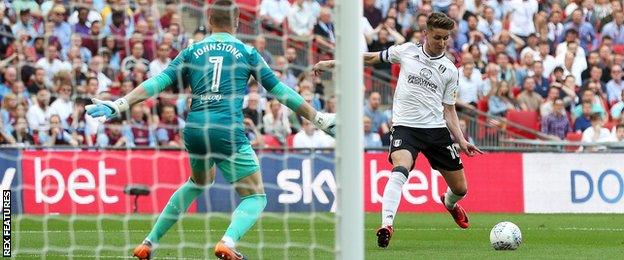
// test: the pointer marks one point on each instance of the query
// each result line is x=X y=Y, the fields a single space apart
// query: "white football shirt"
x=424 y=84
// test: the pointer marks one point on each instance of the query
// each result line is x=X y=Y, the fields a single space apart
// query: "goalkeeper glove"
x=326 y=122
x=107 y=109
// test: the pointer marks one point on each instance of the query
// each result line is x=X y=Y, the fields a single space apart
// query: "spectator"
x=330 y=105
x=615 y=29
x=619 y=133
x=5 y=135
x=81 y=24
x=556 y=123
x=463 y=126
x=541 y=83
x=128 y=63
x=170 y=9
x=93 y=39
x=138 y=132
x=51 y=64
x=372 y=13
x=489 y=25
x=275 y=122
x=272 y=13
x=287 y=75
x=520 y=17
x=547 y=107
x=502 y=101
x=618 y=108
x=371 y=139
x=555 y=27
x=296 y=65
x=56 y=135
x=386 y=37
x=506 y=72
x=253 y=133
x=27 y=24
x=567 y=90
x=83 y=127
x=301 y=20
x=63 y=105
x=615 y=86
x=404 y=17
x=260 y=45
x=306 y=87
x=528 y=99
x=161 y=62
x=595 y=77
x=596 y=134
x=39 y=113
x=310 y=137
x=373 y=111
x=583 y=122
x=587 y=34
x=548 y=61
x=96 y=66
x=254 y=109
x=470 y=85
x=324 y=31
x=118 y=24
x=168 y=131
x=62 y=29
x=9 y=77
x=21 y=133
x=112 y=136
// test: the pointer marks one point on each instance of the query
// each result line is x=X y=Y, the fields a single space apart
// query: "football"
x=505 y=236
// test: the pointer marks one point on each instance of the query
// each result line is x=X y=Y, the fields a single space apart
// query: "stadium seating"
x=526 y=119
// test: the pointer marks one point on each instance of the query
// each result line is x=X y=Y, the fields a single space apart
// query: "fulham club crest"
x=397 y=143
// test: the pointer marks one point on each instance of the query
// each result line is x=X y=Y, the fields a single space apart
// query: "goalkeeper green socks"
x=178 y=203
x=244 y=217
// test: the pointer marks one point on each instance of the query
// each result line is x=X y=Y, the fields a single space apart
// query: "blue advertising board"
x=11 y=177
x=293 y=182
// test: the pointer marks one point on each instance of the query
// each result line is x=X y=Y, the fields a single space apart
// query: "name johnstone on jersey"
x=218 y=46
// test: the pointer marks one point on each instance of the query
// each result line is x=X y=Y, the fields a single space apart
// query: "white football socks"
x=228 y=241
x=392 y=197
x=451 y=198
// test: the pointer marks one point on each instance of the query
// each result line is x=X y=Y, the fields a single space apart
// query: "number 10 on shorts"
x=454 y=152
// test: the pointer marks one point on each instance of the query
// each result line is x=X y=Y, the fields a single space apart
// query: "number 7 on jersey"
x=217 y=61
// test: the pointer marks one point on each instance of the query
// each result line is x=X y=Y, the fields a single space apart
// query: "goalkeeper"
x=217 y=69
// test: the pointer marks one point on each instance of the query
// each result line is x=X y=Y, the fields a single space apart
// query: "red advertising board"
x=494 y=184
x=92 y=182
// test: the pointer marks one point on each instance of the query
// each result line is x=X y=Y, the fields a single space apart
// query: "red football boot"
x=458 y=213
x=383 y=236
x=143 y=251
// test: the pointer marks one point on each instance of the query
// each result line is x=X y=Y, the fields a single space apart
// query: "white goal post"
x=350 y=136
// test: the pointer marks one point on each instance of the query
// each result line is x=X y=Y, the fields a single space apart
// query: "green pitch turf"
x=311 y=236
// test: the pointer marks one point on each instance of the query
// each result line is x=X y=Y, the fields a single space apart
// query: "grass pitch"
x=311 y=236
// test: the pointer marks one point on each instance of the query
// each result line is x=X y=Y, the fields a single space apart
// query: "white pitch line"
x=315 y=230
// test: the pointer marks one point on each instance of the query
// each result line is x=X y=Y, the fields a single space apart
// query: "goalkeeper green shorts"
x=234 y=165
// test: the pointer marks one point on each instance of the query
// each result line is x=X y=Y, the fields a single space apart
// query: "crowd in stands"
x=561 y=60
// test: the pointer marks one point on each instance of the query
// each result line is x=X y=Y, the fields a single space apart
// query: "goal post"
x=350 y=136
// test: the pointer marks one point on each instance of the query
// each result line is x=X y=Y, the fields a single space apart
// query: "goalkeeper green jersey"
x=218 y=69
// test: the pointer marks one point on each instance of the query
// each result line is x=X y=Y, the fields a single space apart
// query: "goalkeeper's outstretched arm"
x=145 y=90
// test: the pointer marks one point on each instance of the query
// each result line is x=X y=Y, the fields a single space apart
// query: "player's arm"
x=450 y=115
x=390 y=55
x=452 y=122
x=147 y=89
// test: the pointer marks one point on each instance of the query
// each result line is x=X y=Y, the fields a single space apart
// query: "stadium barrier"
x=93 y=182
